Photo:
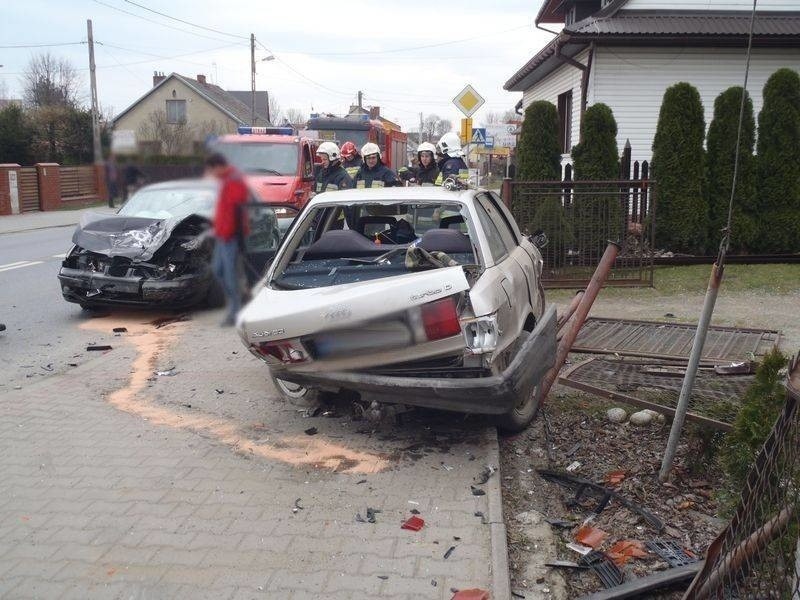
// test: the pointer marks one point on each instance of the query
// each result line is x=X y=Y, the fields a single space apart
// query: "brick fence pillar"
x=9 y=189
x=49 y=186
x=505 y=192
x=102 y=184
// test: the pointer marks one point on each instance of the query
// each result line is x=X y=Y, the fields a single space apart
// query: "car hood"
x=272 y=188
x=137 y=238
x=282 y=314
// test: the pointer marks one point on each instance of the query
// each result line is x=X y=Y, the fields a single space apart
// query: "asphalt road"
x=43 y=337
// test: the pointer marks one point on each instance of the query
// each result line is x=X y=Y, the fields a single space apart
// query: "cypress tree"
x=721 y=145
x=779 y=164
x=598 y=217
x=539 y=153
x=678 y=159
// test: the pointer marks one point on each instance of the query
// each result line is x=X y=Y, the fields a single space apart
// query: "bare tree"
x=3 y=91
x=434 y=127
x=275 y=114
x=171 y=138
x=50 y=81
x=295 y=116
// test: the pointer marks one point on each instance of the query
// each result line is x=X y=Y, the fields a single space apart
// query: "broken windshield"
x=349 y=243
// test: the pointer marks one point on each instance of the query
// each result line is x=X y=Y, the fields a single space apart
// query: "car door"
x=263 y=228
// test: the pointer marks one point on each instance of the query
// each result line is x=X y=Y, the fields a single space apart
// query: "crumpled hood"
x=137 y=238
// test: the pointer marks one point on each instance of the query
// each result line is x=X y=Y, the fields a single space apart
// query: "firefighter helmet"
x=369 y=149
x=450 y=144
x=349 y=150
x=426 y=147
x=330 y=150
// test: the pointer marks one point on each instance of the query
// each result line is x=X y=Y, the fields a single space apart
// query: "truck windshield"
x=261 y=158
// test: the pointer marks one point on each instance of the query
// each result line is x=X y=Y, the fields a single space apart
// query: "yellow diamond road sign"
x=468 y=101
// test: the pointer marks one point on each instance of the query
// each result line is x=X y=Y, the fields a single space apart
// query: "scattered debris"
x=449 y=552
x=98 y=348
x=560 y=523
x=360 y=481
x=414 y=511
x=605 y=569
x=669 y=315
x=564 y=564
x=120 y=330
x=311 y=411
x=590 y=536
x=476 y=491
x=447 y=467
x=166 y=372
x=580 y=549
x=371 y=512
x=219 y=391
x=736 y=368
x=384 y=577
x=48 y=367
x=617 y=415
x=483 y=518
x=485 y=474
x=638 y=587
x=517 y=594
x=573 y=466
x=624 y=550
x=473 y=594
x=615 y=477
x=311 y=431
x=162 y=321
x=573 y=450
x=297 y=506
x=675 y=555
x=434 y=583
x=414 y=523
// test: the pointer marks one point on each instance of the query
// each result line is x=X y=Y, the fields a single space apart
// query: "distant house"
x=262 y=104
x=625 y=53
x=179 y=113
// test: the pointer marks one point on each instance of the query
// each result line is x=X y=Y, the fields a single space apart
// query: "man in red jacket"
x=227 y=229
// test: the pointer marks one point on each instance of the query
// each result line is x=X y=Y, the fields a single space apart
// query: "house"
x=373 y=112
x=262 y=104
x=179 y=113
x=625 y=53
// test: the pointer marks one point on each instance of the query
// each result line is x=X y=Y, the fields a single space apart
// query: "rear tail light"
x=279 y=352
x=440 y=319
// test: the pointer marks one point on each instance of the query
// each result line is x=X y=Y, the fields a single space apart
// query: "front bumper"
x=494 y=395
x=98 y=289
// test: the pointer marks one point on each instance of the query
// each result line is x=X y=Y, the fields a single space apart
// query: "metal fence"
x=78 y=183
x=580 y=217
x=758 y=555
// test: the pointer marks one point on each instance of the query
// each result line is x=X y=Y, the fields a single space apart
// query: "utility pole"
x=252 y=79
x=420 y=128
x=360 y=97
x=98 y=149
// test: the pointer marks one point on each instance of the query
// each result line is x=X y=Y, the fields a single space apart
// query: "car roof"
x=189 y=183
x=433 y=194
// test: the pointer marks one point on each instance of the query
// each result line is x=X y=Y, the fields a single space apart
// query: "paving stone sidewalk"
x=156 y=501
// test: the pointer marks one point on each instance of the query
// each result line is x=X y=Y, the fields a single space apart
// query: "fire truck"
x=277 y=163
x=361 y=129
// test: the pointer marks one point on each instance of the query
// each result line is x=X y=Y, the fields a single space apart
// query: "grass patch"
x=782 y=279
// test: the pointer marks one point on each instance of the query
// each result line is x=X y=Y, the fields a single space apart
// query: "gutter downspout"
x=585 y=68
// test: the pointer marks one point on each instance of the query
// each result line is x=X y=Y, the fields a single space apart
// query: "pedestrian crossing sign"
x=468 y=101
x=478 y=135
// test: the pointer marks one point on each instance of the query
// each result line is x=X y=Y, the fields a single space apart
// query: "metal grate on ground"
x=656 y=385
x=652 y=339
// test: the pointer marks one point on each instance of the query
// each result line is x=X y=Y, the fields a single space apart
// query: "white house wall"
x=563 y=79
x=763 y=5
x=632 y=82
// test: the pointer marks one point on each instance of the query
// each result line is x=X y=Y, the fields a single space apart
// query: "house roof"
x=245 y=97
x=215 y=95
x=697 y=23
x=542 y=63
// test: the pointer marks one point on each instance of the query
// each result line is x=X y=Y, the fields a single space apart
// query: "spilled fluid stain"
x=297 y=450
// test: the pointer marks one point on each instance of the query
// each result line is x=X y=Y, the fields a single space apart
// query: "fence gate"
x=579 y=217
x=28 y=189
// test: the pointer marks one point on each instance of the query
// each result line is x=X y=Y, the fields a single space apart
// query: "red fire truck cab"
x=278 y=165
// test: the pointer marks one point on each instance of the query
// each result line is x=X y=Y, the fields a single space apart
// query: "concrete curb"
x=501 y=578
x=38 y=228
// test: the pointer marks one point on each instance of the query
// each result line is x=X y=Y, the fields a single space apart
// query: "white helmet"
x=426 y=147
x=370 y=148
x=330 y=149
x=450 y=144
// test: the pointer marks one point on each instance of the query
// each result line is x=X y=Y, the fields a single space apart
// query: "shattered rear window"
x=350 y=243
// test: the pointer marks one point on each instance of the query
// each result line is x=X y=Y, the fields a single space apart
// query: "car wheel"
x=294 y=391
x=519 y=417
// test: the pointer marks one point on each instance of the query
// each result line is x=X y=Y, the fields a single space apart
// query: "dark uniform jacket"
x=352 y=166
x=380 y=176
x=450 y=166
x=427 y=175
x=333 y=178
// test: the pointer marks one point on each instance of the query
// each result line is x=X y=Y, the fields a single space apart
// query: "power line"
x=211 y=29
x=42 y=45
x=143 y=18
x=291 y=68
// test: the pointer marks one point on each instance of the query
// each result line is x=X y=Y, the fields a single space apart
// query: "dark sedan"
x=156 y=251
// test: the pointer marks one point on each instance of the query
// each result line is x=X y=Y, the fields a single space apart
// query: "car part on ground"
x=607 y=572
x=641 y=586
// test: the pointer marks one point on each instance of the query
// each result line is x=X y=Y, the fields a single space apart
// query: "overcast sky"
x=326 y=51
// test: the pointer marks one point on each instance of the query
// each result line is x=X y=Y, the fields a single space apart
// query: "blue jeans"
x=223 y=265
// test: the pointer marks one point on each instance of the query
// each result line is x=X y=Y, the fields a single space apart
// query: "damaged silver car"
x=415 y=296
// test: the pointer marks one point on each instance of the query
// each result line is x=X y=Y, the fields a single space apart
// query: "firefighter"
x=351 y=159
x=373 y=173
x=427 y=172
x=331 y=175
x=450 y=162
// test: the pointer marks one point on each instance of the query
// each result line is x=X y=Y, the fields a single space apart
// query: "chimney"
x=157 y=78
x=201 y=79
x=374 y=112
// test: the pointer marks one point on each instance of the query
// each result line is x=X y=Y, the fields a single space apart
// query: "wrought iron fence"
x=758 y=555
x=580 y=217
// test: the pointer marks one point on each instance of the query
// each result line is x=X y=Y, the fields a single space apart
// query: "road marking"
x=19 y=262
x=64 y=255
x=20 y=265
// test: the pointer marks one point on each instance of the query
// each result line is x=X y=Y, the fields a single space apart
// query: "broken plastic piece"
x=561 y=523
x=120 y=330
x=167 y=372
x=615 y=477
x=605 y=569
x=474 y=594
x=97 y=348
x=590 y=536
x=573 y=466
x=484 y=475
x=297 y=506
x=675 y=555
x=414 y=511
x=311 y=431
x=624 y=550
x=564 y=564
x=449 y=552
x=579 y=548
x=476 y=491
x=384 y=577
x=414 y=523
x=736 y=368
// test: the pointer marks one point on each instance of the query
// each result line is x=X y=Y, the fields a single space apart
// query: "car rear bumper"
x=496 y=394
x=96 y=289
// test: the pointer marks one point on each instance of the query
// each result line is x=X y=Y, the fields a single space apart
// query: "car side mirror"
x=539 y=239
